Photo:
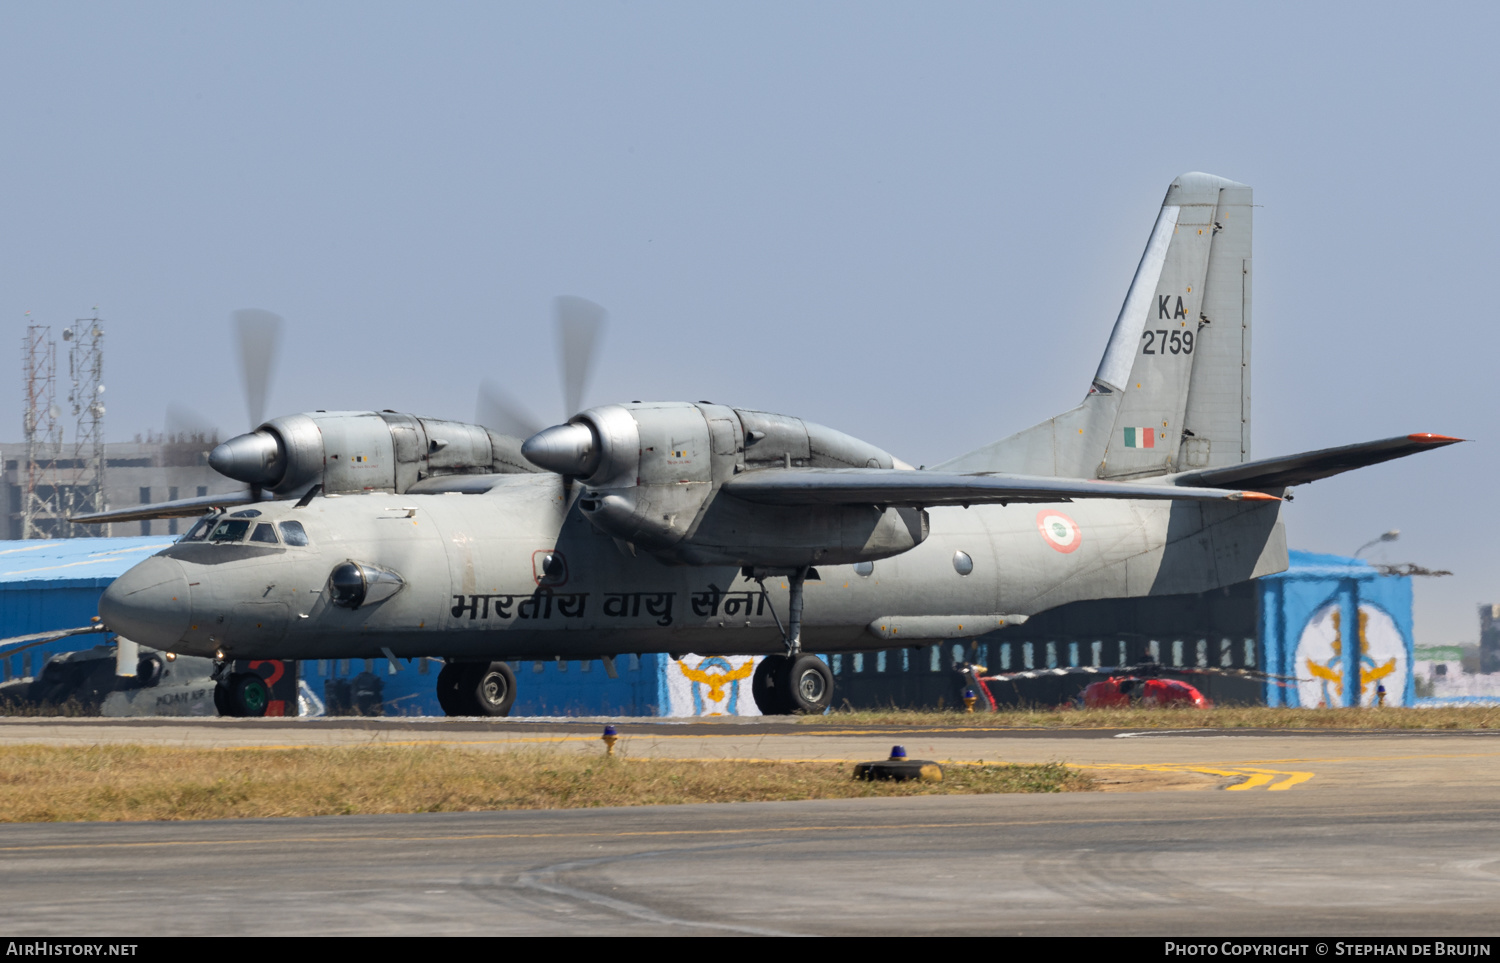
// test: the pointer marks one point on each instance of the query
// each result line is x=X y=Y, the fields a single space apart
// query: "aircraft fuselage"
x=518 y=573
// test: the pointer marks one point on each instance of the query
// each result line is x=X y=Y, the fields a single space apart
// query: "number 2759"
x=1158 y=342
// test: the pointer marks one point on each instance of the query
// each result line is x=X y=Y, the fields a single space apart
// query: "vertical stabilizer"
x=1172 y=390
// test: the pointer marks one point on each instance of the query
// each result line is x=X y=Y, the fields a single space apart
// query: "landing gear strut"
x=476 y=688
x=795 y=682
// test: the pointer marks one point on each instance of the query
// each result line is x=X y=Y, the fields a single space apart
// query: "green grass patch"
x=128 y=782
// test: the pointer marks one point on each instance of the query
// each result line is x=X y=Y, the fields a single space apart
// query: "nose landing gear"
x=242 y=694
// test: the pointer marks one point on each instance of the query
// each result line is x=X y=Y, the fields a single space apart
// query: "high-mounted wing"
x=1310 y=466
x=892 y=486
x=181 y=508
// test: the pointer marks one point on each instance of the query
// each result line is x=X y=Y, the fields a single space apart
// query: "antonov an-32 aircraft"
x=677 y=527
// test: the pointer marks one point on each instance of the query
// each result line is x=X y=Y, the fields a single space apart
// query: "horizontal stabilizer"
x=1274 y=473
x=893 y=486
x=180 y=508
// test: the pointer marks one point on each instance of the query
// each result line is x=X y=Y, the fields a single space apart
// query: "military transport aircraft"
x=698 y=527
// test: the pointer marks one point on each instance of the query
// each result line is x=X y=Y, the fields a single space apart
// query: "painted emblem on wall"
x=1059 y=531
x=714 y=685
x=1320 y=658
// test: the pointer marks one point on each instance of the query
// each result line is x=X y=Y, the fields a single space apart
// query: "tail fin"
x=1173 y=389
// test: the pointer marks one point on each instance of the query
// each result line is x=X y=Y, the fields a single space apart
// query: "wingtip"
x=1428 y=438
x=1254 y=497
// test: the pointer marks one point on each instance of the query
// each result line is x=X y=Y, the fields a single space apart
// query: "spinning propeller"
x=578 y=325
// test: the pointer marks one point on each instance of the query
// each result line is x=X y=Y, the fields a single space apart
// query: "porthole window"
x=962 y=563
x=864 y=569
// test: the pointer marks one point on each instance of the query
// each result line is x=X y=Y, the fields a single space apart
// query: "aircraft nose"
x=149 y=603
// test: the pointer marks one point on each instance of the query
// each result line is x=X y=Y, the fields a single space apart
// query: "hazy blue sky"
x=913 y=222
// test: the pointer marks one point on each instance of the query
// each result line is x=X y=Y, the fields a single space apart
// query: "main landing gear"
x=476 y=688
x=795 y=682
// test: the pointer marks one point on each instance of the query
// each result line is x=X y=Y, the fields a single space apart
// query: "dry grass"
x=125 y=782
x=1246 y=717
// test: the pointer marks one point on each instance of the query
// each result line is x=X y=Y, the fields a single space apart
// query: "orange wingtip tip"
x=1428 y=436
x=1257 y=497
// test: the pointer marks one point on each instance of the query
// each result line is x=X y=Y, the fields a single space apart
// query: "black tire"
x=477 y=689
x=494 y=689
x=242 y=695
x=448 y=680
x=768 y=686
x=809 y=685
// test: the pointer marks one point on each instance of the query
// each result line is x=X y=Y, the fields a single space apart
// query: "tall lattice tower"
x=39 y=508
x=85 y=489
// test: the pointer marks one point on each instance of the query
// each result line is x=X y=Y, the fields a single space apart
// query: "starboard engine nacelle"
x=651 y=475
x=355 y=451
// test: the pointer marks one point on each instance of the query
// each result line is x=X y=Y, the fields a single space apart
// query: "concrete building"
x=156 y=468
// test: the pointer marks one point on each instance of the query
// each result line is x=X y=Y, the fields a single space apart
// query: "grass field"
x=1248 y=717
x=124 y=782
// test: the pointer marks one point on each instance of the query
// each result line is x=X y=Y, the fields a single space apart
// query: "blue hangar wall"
x=47 y=585
x=1335 y=624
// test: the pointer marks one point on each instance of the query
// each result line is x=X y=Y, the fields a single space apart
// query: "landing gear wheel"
x=768 y=686
x=494 y=690
x=448 y=681
x=476 y=689
x=809 y=685
x=243 y=694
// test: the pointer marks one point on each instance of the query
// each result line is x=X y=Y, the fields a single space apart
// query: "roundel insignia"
x=1059 y=531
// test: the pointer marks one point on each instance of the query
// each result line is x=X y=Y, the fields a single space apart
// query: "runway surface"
x=1299 y=834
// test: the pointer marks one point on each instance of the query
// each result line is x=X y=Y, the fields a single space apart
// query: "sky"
x=912 y=222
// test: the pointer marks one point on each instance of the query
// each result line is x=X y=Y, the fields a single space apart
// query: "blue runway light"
x=898 y=752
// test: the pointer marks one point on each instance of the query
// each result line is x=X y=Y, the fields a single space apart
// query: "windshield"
x=200 y=530
x=231 y=530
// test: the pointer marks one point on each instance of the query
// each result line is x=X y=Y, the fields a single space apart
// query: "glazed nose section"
x=149 y=603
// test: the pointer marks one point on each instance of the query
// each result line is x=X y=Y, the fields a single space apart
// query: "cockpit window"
x=264 y=532
x=230 y=530
x=200 y=531
x=293 y=533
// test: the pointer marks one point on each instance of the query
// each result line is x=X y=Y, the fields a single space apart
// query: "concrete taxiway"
x=1288 y=833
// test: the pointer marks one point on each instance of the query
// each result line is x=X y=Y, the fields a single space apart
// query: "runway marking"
x=1253 y=778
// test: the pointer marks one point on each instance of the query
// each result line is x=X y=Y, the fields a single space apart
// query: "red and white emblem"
x=1059 y=531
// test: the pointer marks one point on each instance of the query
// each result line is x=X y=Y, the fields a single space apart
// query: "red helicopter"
x=1125 y=686
x=1129 y=691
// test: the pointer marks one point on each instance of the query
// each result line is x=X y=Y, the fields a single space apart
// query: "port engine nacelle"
x=355 y=451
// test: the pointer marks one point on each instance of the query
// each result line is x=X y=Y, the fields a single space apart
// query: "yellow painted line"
x=1292 y=780
x=1254 y=778
x=1255 y=781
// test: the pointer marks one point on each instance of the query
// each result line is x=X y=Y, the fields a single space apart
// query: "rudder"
x=1173 y=387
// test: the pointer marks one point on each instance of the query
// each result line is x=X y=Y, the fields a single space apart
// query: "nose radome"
x=149 y=603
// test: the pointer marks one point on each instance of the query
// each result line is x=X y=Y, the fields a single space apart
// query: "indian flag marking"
x=1058 y=530
x=1140 y=437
